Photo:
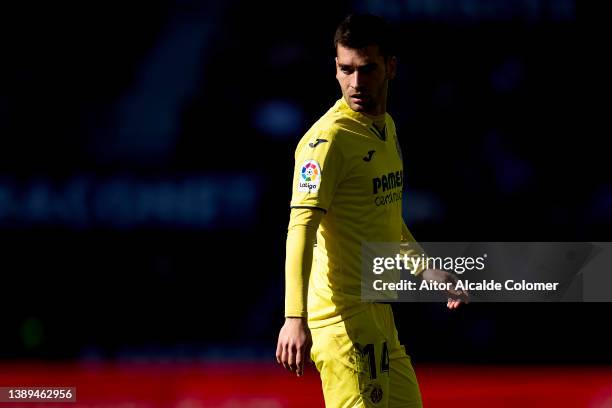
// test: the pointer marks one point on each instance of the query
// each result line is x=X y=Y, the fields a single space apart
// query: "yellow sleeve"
x=409 y=246
x=319 y=168
x=301 y=234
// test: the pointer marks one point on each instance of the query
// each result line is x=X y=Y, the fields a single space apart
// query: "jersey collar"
x=346 y=110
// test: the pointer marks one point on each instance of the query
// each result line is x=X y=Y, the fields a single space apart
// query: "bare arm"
x=412 y=248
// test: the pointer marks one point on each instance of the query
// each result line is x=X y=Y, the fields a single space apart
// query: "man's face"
x=363 y=76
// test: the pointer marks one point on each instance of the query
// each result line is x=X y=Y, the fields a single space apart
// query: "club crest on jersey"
x=310 y=177
x=376 y=393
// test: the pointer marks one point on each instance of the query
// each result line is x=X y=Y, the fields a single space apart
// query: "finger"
x=291 y=359
x=299 y=362
x=279 y=350
x=285 y=357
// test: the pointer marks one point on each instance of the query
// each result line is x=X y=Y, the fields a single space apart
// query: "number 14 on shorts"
x=368 y=352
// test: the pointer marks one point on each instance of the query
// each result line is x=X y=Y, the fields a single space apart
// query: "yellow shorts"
x=362 y=363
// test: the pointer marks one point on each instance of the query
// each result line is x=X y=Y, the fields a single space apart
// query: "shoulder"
x=320 y=140
x=332 y=128
x=390 y=121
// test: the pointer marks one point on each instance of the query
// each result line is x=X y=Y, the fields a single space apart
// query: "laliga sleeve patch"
x=310 y=177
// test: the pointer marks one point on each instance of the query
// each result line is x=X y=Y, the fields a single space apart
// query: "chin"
x=357 y=108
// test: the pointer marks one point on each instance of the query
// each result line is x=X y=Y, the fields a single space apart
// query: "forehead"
x=358 y=56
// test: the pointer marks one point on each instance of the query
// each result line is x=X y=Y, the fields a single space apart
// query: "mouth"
x=359 y=98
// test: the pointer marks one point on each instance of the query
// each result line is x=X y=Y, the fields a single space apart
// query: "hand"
x=458 y=296
x=293 y=347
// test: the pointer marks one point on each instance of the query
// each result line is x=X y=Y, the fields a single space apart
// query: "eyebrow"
x=371 y=65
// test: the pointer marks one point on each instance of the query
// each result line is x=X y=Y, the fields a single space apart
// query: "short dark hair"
x=358 y=31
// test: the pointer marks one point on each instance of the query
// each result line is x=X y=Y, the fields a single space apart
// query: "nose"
x=356 y=80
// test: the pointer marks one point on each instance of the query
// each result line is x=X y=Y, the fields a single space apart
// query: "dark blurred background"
x=146 y=154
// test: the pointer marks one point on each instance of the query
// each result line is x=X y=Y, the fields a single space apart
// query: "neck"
x=379 y=111
x=375 y=116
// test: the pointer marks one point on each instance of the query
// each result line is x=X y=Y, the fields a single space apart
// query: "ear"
x=391 y=67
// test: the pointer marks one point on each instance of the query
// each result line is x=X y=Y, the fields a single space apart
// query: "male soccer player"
x=339 y=201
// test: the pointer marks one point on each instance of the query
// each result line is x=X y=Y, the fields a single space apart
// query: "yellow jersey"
x=345 y=167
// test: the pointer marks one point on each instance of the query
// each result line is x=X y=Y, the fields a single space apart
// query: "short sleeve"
x=319 y=168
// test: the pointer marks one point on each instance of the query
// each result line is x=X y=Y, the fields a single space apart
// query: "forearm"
x=410 y=247
x=301 y=235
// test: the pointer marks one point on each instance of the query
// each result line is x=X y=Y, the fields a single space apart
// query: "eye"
x=367 y=69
